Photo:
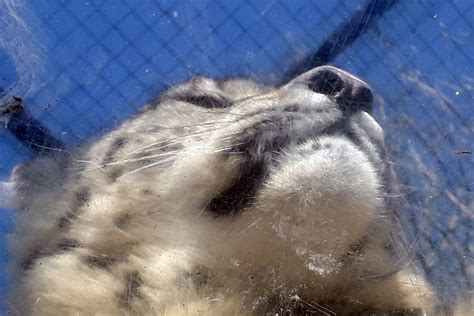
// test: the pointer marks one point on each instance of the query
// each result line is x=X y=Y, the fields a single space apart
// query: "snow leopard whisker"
x=171 y=141
x=90 y=162
x=163 y=141
x=379 y=275
x=143 y=168
x=125 y=161
x=199 y=124
x=48 y=148
x=319 y=308
x=165 y=162
x=132 y=160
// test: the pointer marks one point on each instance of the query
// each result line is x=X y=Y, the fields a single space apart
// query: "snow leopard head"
x=263 y=197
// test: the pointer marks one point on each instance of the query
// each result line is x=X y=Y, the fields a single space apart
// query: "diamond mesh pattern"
x=101 y=60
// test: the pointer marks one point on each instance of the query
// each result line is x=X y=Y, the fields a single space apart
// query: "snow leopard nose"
x=349 y=91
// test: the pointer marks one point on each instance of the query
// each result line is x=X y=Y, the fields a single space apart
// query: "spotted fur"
x=222 y=198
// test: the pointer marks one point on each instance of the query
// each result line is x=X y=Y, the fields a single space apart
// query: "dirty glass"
x=72 y=71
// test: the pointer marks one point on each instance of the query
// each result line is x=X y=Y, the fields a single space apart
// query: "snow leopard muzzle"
x=261 y=143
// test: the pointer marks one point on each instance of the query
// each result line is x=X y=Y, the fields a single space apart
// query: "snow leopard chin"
x=221 y=198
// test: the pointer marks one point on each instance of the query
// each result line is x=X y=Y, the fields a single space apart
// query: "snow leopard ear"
x=200 y=91
x=349 y=91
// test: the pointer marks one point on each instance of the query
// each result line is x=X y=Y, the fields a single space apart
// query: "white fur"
x=165 y=254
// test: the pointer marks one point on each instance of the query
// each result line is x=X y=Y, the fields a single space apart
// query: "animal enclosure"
x=82 y=67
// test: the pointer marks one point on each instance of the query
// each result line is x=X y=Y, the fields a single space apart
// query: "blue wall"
x=83 y=67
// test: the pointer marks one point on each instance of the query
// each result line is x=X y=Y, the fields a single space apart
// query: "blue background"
x=84 y=66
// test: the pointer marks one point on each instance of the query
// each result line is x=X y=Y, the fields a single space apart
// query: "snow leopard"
x=221 y=197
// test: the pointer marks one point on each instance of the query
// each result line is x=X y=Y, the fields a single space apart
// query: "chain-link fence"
x=83 y=67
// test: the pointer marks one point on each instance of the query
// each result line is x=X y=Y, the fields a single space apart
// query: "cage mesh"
x=102 y=60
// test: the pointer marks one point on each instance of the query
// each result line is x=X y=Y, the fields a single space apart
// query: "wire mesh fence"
x=83 y=67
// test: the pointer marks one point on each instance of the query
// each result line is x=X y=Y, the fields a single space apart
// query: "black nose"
x=348 y=90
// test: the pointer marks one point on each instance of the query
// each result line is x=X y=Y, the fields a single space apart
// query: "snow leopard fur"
x=221 y=198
